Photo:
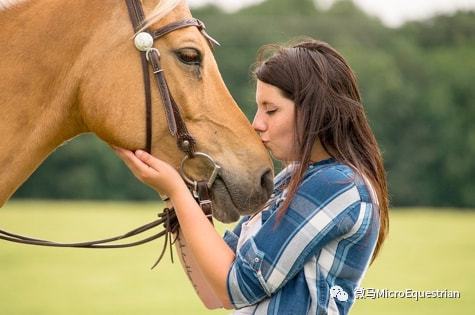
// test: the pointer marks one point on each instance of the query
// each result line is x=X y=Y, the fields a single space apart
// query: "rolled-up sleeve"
x=324 y=208
x=232 y=237
x=246 y=286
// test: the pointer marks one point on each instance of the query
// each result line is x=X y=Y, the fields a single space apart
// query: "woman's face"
x=274 y=121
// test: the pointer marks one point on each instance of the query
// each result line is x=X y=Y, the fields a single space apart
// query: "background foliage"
x=416 y=81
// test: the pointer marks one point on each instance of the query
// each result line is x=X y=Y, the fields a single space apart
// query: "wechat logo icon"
x=337 y=292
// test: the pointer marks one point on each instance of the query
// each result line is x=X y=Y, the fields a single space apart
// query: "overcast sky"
x=392 y=12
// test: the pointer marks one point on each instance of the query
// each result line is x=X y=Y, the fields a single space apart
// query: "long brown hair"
x=328 y=108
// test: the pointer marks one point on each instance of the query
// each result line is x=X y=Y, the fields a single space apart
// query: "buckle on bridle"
x=151 y=50
x=205 y=202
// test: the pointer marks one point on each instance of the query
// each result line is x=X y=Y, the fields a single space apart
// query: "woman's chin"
x=277 y=156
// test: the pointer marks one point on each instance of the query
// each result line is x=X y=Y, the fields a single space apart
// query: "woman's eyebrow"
x=266 y=103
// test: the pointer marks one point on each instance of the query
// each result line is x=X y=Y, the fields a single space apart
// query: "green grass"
x=427 y=249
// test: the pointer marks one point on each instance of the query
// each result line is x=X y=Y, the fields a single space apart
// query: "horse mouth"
x=225 y=208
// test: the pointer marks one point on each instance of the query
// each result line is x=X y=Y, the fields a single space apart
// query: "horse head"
x=111 y=104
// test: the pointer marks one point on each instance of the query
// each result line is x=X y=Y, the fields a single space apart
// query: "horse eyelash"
x=181 y=56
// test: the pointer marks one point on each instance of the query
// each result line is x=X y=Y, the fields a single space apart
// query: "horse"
x=70 y=67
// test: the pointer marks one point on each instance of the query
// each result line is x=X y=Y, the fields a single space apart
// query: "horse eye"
x=189 y=56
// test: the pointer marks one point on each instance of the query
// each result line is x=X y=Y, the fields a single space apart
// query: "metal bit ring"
x=211 y=179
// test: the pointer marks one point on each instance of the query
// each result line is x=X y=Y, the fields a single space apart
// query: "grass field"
x=428 y=249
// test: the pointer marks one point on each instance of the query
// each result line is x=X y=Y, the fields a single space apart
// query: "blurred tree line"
x=416 y=81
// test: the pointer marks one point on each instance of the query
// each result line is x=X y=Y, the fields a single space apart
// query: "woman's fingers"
x=152 y=171
x=139 y=168
x=149 y=159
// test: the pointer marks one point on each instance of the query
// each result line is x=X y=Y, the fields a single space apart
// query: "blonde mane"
x=160 y=10
x=5 y=4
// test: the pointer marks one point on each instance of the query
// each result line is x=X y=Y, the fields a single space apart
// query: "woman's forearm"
x=195 y=275
x=212 y=254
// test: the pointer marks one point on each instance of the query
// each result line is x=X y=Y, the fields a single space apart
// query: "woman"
x=308 y=249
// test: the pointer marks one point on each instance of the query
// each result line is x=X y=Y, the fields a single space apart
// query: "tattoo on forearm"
x=186 y=263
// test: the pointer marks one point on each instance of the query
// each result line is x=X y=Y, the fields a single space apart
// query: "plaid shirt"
x=312 y=261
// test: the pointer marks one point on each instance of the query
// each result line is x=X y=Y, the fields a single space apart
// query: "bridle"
x=186 y=143
x=176 y=125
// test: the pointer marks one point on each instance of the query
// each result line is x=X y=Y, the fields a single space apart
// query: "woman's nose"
x=258 y=123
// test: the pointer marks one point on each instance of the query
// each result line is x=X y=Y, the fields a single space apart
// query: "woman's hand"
x=156 y=173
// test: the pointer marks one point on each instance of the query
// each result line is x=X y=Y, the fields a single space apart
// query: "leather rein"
x=186 y=143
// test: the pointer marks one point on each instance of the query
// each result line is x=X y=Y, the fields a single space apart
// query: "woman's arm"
x=197 y=279
x=212 y=254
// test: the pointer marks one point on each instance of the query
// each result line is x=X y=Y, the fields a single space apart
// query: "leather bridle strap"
x=185 y=23
x=167 y=218
x=136 y=16
x=104 y=243
x=204 y=200
x=176 y=124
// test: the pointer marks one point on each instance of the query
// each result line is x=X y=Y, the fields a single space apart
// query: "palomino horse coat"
x=70 y=67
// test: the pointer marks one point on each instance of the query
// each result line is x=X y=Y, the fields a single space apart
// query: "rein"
x=167 y=218
x=186 y=143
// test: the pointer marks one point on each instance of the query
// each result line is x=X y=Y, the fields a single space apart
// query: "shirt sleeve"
x=231 y=237
x=325 y=207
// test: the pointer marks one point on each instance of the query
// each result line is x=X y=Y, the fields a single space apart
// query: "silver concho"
x=143 y=41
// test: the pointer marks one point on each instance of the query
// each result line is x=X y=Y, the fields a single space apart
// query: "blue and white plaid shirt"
x=312 y=261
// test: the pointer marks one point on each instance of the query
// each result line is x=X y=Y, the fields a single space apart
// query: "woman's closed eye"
x=271 y=111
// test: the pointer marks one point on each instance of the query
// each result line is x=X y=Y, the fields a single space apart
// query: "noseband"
x=176 y=125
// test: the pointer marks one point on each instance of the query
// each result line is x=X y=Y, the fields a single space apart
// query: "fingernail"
x=140 y=153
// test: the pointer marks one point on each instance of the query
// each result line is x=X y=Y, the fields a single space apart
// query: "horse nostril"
x=267 y=182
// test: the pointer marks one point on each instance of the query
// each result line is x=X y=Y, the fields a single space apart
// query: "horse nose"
x=267 y=182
